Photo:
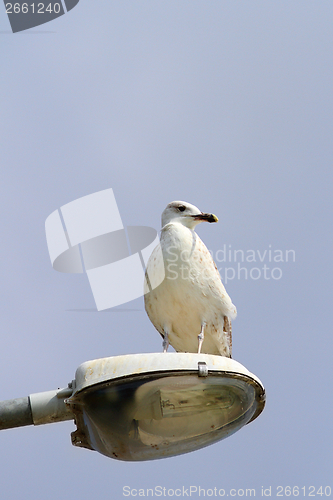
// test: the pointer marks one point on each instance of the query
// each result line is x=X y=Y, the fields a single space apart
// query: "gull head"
x=186 y=214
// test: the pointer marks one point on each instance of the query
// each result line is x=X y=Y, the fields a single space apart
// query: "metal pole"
x=15 y=413
x=36 y=409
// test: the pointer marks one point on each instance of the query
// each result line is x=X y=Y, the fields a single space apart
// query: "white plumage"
x=190 y=308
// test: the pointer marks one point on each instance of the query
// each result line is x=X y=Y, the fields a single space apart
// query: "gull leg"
x=201 y=337
x=165 y=342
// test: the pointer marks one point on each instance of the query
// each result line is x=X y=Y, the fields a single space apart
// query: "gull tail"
x=228 y=330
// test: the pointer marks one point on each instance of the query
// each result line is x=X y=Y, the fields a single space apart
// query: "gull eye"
x=181 y=208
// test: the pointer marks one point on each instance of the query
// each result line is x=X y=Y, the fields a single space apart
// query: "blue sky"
x=226 y=105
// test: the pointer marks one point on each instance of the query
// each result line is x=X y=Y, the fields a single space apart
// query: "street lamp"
x=147 y=406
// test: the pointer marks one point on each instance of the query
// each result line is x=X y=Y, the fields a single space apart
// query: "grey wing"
x=216 y=285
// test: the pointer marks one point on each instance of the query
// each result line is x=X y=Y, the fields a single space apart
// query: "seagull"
x=190 y=308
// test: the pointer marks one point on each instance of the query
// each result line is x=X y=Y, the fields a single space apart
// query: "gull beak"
x=206 y=217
